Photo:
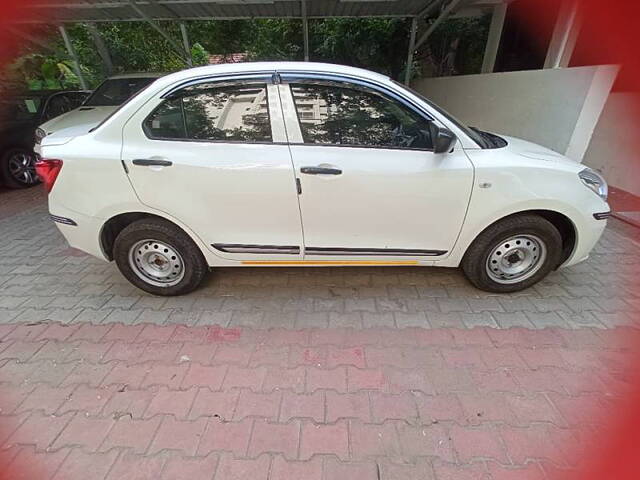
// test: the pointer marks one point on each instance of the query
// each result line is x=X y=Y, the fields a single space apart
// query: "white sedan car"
x=310 y=164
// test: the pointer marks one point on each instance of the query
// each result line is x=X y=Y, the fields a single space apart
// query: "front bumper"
x=587 y=235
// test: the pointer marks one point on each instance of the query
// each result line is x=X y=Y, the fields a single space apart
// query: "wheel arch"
x=117 y=223
x=562 y=222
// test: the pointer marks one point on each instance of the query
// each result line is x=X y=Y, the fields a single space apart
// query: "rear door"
x=214 y=156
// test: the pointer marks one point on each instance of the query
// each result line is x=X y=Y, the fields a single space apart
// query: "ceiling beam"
x=448 y=10
x=161 y=31
x=429 y=9
x=73 y=55
x=103 y=51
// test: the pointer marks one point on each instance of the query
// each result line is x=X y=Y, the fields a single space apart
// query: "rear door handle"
x=320 y=171
x=151 y=162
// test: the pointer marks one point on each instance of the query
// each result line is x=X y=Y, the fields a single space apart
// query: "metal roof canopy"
x=153 y=11
x=122 y=10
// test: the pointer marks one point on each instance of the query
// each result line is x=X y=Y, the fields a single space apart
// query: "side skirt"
x=258 y=249
x=386 y=252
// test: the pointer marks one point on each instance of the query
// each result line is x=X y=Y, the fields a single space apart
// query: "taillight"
x=48 y=170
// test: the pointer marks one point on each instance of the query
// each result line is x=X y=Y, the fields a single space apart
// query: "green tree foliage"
x=199 y=55
x=274 y=40
x=456 y=47
x=42 y=72
x=377 y=44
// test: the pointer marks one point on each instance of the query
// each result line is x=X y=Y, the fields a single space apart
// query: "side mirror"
x=443 y=139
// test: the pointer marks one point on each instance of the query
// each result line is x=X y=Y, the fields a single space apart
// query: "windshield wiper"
x=488 y=139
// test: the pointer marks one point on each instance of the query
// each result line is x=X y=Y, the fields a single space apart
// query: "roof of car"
x=137 y=75
x=246 y=67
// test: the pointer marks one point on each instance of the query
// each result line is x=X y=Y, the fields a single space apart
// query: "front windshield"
x=116 y=91
x=473 y=134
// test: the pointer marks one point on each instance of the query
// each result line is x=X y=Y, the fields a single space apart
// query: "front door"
x=214 y=156
x=372 y=188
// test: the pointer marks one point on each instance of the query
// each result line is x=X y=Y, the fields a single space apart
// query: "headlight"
x=595 y=182
x=40 y=134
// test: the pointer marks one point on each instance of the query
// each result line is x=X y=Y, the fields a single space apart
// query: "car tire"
x=15 y=175
x=160 y=258
x=513 y=254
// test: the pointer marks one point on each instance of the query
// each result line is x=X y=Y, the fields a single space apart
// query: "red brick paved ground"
x=174 y=402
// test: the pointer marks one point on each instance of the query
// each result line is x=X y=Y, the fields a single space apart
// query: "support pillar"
x=72 y=53
x=493 y=39
x=305 y=29
x=412 y=48
x=565 y=34
x=103 y=51
x=185 y=42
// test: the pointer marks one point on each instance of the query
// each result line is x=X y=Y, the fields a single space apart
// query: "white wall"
x=558 y=108
x=614 y=146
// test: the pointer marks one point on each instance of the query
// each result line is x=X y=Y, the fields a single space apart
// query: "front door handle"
x=152 y=162
x=320 y=171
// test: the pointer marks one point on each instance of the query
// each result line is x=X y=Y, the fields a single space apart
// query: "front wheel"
x=513 y=254
x=159 y=258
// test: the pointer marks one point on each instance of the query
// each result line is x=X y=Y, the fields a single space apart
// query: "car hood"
x=533 y=151
x=86 y=116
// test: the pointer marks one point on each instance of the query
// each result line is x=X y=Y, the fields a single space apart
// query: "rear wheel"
x=513 y=254
x=159 y=258
x=18 y=168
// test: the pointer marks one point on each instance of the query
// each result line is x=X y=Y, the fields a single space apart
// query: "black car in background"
x=20 y=114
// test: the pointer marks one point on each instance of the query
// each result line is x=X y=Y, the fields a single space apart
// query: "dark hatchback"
x=20 y=115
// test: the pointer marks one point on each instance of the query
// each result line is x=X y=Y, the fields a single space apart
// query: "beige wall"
x=557 y=108
x=613 y=149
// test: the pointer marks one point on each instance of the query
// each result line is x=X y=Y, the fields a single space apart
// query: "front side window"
x=339 y=114
x=209 y=112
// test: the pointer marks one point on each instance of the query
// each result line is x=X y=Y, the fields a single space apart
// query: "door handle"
x=320 y=171
x=151 y=162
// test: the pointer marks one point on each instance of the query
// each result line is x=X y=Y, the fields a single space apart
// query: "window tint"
x=167 y=121
x=217 y=113
x=336 y=114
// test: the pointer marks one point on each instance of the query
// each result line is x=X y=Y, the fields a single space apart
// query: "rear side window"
x=167 y=121
x=344 y=114
x=228 y=113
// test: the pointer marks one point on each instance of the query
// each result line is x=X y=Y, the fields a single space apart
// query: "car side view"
x=306 y=164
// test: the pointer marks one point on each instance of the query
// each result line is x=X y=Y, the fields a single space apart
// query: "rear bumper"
x=80 y=231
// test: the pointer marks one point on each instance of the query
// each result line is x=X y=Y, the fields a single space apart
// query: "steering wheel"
x=400 y=138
